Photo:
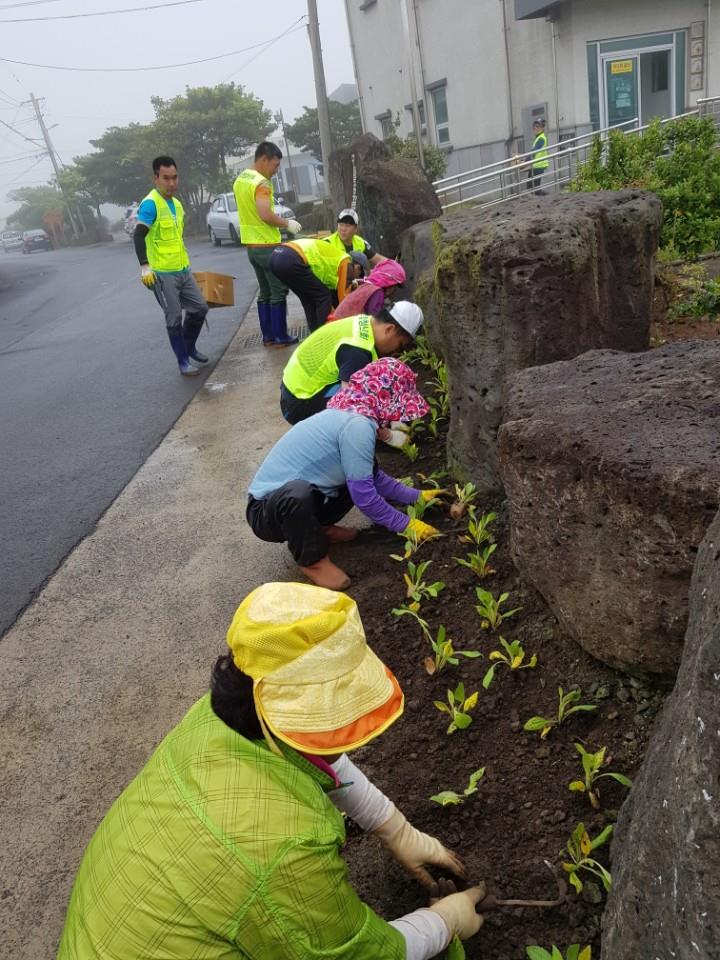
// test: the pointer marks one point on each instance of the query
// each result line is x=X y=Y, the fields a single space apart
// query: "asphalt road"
x=88 y=388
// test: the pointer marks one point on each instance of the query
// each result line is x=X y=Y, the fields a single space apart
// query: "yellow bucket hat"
x=317 y=685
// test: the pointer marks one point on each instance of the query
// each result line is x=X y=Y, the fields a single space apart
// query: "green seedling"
x=417 y=589
x=423 y=354
x=458 y=707
x=478 y=529
x=416 y=511
x=448 y=798
x=478 y=561
x=592 y=764
x=411 y=610
x=411 y=451
x=436 y=417
x=513 y=658
x=574 y=952
x=444 y=652
x=433 y=479
x=442 y=390
x=488 y=609
x=464 y=496
x=580 y=846
x=410 y=547
x=567 y=705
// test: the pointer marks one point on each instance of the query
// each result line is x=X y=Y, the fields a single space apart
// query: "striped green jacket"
x=221 y=849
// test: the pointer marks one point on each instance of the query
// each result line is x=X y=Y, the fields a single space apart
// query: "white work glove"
x=396 y=435
x=293 y=227
x=147 y=276
x=413 y=849
x=458 y=910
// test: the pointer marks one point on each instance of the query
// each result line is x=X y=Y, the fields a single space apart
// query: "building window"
x=387 y=127
x=660 y=63
x=442 y=126
x=421 y=115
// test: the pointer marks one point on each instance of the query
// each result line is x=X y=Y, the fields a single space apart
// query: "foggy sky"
x=84 y=104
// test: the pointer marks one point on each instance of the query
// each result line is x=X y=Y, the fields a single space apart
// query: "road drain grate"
x=255 y=339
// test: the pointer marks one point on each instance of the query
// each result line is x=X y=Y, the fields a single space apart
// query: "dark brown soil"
x=523 y=812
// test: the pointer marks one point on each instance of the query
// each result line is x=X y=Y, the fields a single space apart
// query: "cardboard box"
x=217 y=288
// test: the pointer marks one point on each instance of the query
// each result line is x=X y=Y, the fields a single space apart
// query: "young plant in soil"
x=433 y=479
x=479 y=561
x=513 y=657
x=448 y=798
x=436 y=416
x=464 y=496
x=417 y=589
x=488 y=609
x=441 y=393
x=580 y=846
x=416 y=511
x=574 y=952
x=567 y=705
x=408 y=611
x=592 y=764
x=444 y=652
x=411 y=451
x=458 y=707
x=478 y=530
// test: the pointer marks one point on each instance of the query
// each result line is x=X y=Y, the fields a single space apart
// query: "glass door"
x=656 y=93
x=622 y=90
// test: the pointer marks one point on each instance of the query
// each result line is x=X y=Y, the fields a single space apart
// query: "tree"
x=119 y=171
x=434 y=158
x=345 y=126
x=35 y=203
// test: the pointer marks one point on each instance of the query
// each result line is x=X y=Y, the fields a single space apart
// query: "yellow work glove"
x=413 y=849
x=421 y=531
x=147 y=276
x=433 y=494
x=458 y=911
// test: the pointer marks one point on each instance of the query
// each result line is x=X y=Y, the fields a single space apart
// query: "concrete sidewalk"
x=120 y=643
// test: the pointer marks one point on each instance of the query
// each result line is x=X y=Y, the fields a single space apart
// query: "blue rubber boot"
x=278 y=317
x=263 y=309
x=191 y=331
x=177 y=342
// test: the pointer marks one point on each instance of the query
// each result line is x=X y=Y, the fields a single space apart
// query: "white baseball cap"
x=407 y=315
x=349 y=212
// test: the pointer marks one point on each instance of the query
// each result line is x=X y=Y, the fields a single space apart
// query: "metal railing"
x=499 y=182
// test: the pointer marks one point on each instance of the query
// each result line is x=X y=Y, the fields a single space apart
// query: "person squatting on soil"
x=325 y=361
x=227 y=843
x=371 y=294
x=165 y=265
x=260 y=233
x=314 y=270
x=346 y=237
x=326 y=464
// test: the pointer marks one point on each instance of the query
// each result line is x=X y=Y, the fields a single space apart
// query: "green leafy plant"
x=488 y=609
x=592 y=764
x=579 y=847
x=441 y=391
x=567 y=706
x=447 y=798
x=458 y=707
x=444 y=652
x=417 y=589
x=513 y=657
x=434 y=479
x=702 y=299
x=574 y=952
x=478 y=528
x=411 y=610
x=464 y=496
x=422 y=353
x=411 y=451
x=478 y=561
x=410 y=547
x=417 y=510
x=437 y=416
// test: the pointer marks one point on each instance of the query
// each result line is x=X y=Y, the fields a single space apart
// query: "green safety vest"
x=254 y=232
x=164 y=244
x=220 y=849
x=313 y=367
x=540 y=152
x=357 y=243
x=323 y=259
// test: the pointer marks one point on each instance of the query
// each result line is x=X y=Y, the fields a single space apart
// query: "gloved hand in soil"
x=413 y=849
x=458 y=909
x=396 y=435
x=421 y=531
x=433 y=494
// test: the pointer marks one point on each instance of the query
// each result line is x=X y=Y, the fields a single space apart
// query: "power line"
x=103 y=13
x=25 y=172
x=24 y=156
x=165 y=66
x=293 y=28
x=18 y=132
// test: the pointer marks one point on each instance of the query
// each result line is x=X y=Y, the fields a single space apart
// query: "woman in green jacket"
x=227 y=844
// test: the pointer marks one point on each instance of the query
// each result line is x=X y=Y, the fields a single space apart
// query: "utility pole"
x=53 y=160
x=320 y=91
x=410 y=44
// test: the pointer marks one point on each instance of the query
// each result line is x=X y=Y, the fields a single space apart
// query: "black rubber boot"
x=191 y=331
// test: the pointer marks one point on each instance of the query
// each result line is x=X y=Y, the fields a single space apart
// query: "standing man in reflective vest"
x=347 y=239
x=165 y=265
x=260 y=233
x=540 y=158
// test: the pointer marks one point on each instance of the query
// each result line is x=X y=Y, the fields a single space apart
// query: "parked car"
x=222 y=218
x=35 y=240
x=131 y=218
x=11 y=240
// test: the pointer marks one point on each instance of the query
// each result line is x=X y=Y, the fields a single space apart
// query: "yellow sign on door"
x=621 y=66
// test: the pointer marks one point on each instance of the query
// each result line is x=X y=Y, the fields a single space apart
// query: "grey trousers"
x=176 y=292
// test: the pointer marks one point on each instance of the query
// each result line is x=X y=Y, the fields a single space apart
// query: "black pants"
x=315 y=297
x=294 y=409
x=297 y=513
x=534 y=179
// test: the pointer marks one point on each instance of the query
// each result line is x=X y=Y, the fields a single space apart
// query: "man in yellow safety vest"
x=260 y=233
x=346 y=238
x=540 y=158
x=165 y=265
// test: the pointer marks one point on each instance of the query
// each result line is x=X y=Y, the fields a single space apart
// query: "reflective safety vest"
x=540 y=158
x=313 y=367
x=254 y=232
x=357 y=243
x=323 y=259
x=164 y=244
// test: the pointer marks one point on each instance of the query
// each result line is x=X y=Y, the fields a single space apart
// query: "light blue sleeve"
x=147 y=213
x=356 y=441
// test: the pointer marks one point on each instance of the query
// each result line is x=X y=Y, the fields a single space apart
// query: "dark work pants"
x=534 y=179
x=316 y=299
x=297 y=513
x=295 y=409
x=176 y=292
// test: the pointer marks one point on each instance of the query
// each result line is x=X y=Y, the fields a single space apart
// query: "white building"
x=484 y=68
